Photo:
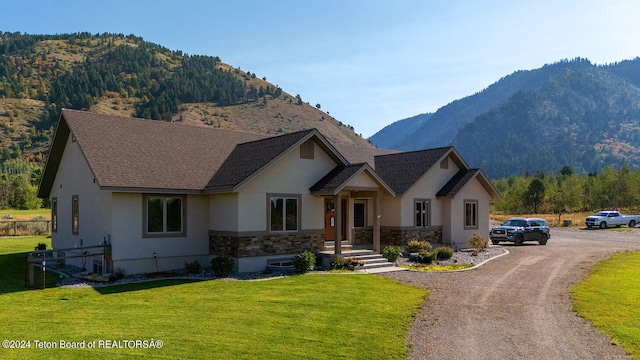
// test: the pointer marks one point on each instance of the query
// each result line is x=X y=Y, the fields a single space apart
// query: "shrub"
x=417 y=246
x=40 y=246
x=222 y=266
x=391 y=253
x=338 y=262
x=479 y=243
x=305 y=261
x=119 y=274
x=193 y=267
x=443 y=252
x=427 y=257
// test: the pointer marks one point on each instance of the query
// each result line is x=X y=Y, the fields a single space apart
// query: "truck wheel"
x=519 y=239
x=543 y=239
x=632 y=223
x=495 y=242
x=603 y=225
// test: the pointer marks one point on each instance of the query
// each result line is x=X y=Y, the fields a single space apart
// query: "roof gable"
x=462 y=178
x=402 y=170
x=247 y=159
x=338 y=178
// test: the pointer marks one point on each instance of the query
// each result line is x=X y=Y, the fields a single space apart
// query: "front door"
x=330 y=219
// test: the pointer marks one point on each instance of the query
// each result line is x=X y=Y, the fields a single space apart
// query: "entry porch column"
x=337 y=200
x=376 y=223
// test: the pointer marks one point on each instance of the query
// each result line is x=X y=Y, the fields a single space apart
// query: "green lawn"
x=610 y=300
x=316 y=316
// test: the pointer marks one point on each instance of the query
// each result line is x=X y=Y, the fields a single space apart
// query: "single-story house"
x=163 y=194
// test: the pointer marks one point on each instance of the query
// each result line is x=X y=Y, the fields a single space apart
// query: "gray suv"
x=519 y=230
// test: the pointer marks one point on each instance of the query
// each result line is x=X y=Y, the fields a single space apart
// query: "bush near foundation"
x=222 y=266
x=305 y=261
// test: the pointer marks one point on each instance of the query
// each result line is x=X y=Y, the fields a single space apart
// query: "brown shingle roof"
x=457 y=182
x=247 y=158
x=144 y=154
x=402 y=170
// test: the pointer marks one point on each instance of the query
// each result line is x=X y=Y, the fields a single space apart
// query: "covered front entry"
x=354 y=187
x=348 y=219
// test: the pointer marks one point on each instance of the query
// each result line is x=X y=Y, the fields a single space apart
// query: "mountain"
x=391 y=136
x=568 y=113
x=127 y=76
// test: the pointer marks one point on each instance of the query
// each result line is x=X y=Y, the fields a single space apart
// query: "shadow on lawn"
x=13 y=279
x=13 y=275
x=146 y=285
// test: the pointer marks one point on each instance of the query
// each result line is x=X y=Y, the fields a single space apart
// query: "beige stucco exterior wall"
x=290 y=175
x=427 y=188
x=472 y=191
x=134 y=253
x=223 y=212
x=390 y=211
x=74 y=177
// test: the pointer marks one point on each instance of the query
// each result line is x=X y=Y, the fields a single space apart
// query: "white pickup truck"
x=605 y=219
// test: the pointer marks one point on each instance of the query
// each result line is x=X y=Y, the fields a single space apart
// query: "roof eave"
x=56 y=150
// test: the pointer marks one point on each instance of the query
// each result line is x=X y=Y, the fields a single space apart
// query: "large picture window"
x=422 y=213
x=283 y=214
x=75 y=215
x=471 y=214
x=164 y=215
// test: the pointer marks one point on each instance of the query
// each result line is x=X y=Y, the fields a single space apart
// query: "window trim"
x=474 y=204
x=284 y=197
x=164 y=233
x=54 y=215
x=75 y=215
x=426 y=213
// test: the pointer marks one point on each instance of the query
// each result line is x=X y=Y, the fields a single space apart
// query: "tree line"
x=19 y=185
x=567 y=191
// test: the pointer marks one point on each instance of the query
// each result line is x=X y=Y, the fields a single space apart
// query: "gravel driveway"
x=516 y=306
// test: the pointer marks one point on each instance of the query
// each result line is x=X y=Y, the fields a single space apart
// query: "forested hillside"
x=568 y=113
x=127 y=76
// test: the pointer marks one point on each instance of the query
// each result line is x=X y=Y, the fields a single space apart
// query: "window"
x=283 y=214
x=75 y=215
x=423 y=213
x=164 y=215
x=471 y=214
x=54 y=214
x=359 y=214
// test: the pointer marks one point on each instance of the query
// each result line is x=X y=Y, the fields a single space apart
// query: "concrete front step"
x=372 y=260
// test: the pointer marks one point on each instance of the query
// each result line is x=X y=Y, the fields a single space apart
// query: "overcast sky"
x=368 y=63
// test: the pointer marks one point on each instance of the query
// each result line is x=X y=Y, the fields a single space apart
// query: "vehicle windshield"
x=515 y=222
x=601 y=213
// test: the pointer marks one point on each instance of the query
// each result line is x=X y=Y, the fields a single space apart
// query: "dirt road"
x=516 y=306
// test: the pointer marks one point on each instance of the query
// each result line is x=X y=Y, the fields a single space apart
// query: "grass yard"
x=316 y=316
x=609 y=299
